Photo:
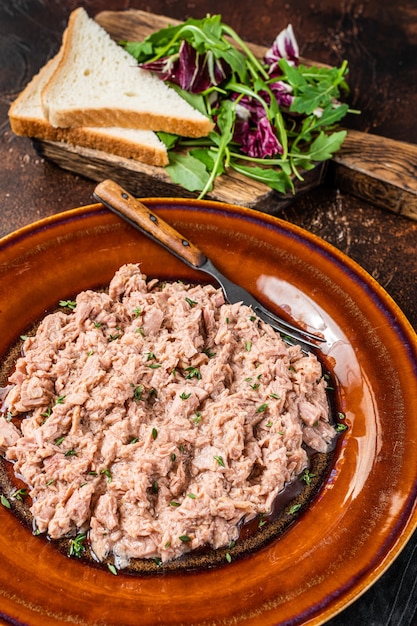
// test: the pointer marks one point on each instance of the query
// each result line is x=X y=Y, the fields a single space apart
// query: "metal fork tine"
x=286 y=326
x=292 y=335
x=236 y=293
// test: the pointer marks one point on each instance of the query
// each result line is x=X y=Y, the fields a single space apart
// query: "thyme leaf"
x=340 y=428
x=112 y=569
x=137 y=392
x=4 y=501
x=307 y=476
x=107 y=472
x=70 y=304
x=193 y=372
x=19 y=494
x=71 y=453
x=76 y=545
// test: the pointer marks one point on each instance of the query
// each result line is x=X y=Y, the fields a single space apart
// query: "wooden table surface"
x=379 y=40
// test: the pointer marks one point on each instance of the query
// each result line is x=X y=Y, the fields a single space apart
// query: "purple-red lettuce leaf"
x=258 y=121
x=164 y=68
x=197 y=72
x=196 y=55
x=192 y=71
x=285 y=46
x=258 y=141
x=283 y=93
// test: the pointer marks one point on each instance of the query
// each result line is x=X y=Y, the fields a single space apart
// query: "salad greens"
x=273 y=118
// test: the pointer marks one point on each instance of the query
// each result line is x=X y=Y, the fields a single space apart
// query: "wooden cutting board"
x=380 y=170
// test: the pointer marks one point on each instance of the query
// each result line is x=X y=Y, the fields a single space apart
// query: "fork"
x=132 y=210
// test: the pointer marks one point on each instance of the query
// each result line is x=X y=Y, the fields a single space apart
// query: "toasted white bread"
x=97 y=83
x=27 y=118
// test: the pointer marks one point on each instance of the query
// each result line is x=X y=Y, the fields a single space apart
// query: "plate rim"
x=342 y=259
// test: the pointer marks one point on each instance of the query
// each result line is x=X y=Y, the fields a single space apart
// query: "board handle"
x=380 y=170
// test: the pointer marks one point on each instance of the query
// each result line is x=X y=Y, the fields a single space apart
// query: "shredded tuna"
x=159 y=417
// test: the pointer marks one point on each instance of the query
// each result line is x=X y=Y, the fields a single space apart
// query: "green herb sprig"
x=76 y=545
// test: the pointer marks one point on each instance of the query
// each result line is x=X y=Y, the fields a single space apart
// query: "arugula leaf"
x=314 y=87
x=138 y=49
x=168 y=139
x=324 y=146
x=225 y=123
x=292 y=74
x=329 y=116
x=187 y=171
x=314 y=123
x=275 y=179
x=207 y=157
x=197 y=101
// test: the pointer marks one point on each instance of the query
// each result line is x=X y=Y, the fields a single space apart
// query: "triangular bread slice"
x=27 y=118
x=98 y=83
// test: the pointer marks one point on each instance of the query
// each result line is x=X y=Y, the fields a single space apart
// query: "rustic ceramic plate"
x=364 y=514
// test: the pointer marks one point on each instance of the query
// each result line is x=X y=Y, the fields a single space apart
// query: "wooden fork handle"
x=118 y=200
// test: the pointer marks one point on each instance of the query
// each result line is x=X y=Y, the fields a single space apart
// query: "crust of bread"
x=105 y=117
x=120 y=146
x=26 y=124
x=87 y=137
x=111 y=116
x=90 y=138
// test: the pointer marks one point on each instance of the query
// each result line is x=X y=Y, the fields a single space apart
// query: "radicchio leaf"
x=258 y=141
x=285 y=46
x=253 y=130
x=199 y=71
x=283 y=93
x=192 y=71
x=165 y=67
